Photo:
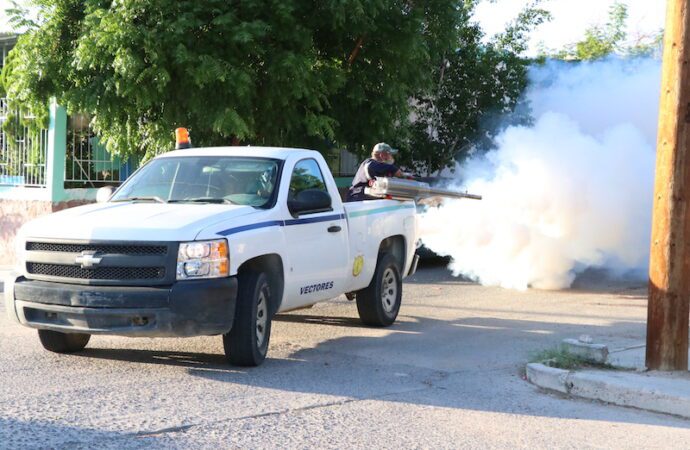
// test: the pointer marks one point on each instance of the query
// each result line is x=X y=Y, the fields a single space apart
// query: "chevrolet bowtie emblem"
x=88 y=259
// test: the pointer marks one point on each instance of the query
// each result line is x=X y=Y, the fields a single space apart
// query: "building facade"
x=7 y=41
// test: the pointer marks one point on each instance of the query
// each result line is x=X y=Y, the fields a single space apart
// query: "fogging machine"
x=402 y=189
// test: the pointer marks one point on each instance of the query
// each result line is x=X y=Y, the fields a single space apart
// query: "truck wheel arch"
x=272 y=265
x=396 y=246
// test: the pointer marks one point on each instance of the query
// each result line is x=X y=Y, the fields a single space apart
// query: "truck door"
x=316 y=243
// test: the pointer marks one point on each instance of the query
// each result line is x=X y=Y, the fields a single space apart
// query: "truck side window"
x=306 y=175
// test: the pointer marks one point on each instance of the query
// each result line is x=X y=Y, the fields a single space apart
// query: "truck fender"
x=272 y=265
x=396 y=246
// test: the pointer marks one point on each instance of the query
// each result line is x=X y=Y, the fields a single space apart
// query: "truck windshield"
x=203 y=179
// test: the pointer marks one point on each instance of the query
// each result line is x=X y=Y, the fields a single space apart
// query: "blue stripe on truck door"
x=280 y=223
x=289 y=222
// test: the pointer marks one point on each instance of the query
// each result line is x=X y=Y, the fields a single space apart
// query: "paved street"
x=449 y=374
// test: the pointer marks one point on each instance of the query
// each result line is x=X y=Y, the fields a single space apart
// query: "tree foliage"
x=314 y=73
x=611 y=39
x=477 y=91
x=601 y=41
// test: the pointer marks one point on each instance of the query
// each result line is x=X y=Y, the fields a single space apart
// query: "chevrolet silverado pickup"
x=210 y=241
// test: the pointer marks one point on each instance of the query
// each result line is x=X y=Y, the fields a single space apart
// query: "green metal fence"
x=23 y=149
x=65 y=160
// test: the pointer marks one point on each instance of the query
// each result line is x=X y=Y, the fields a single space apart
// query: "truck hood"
x=132 y=221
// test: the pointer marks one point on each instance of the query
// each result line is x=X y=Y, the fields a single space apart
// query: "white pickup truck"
x=210 y=241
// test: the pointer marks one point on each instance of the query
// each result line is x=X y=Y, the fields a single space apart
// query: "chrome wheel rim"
x=261 y=318
x=389 y=290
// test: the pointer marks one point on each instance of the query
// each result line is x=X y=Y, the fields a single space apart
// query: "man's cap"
x=383 y=147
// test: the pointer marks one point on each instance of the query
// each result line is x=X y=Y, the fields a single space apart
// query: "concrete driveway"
x=448 y=374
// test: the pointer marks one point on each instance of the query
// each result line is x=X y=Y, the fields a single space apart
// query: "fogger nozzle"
x=401 y=189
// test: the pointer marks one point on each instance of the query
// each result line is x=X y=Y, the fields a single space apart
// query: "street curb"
x=597 y=353
x=548 y=377
x=643 y=391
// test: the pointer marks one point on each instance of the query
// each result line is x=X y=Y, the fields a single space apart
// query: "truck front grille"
x=104 y=263
x=99 y=248
x=96 y=273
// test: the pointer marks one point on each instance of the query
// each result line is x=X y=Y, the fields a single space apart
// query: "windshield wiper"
x=203 y=200
x=141 y=199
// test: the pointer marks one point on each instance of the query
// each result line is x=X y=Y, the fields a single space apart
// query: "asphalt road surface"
x=448 y=374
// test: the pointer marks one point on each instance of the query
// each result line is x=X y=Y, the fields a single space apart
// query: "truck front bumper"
x=187 y=308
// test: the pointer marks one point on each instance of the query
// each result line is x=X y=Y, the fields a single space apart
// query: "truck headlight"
x=203 y=259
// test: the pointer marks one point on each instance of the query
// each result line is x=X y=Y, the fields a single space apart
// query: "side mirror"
x=310 y=200
x=104 y=194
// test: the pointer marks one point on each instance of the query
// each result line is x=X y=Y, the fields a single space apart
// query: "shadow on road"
x=471 y=362
x=38 y=434
x=347 y=322
x=213 y=361
x=467 y=363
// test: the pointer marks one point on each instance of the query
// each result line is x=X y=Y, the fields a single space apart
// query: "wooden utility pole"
x=669 y=269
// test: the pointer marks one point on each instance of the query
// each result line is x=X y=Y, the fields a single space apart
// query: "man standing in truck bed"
x=379 y=165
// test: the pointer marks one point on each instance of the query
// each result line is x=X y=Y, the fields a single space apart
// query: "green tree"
x=477 y=92
x=315 y=73
x=612 y=39
x=649 y=45
x=602 y=41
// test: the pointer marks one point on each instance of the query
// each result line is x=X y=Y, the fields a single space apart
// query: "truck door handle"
x=334 y=229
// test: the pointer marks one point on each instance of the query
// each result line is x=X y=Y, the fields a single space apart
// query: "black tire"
x=57 y=342
x=247 y=342
x=376 y=307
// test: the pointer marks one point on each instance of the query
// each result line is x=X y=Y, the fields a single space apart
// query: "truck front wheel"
x=378 y=304
x=247 y=342
x=57 y=342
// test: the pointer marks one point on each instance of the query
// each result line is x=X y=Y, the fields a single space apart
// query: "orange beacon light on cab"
x=182 y=139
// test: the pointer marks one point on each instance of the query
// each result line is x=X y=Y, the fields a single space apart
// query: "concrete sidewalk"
x=633 y=385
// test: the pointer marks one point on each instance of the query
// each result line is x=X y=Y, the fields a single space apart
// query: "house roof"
x=7 y=39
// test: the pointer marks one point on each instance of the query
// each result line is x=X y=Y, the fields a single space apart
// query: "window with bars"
x=87 y=163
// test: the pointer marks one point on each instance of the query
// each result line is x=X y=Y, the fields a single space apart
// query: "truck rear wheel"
x=247 y=342
x=378 y=304
x=57 y=342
